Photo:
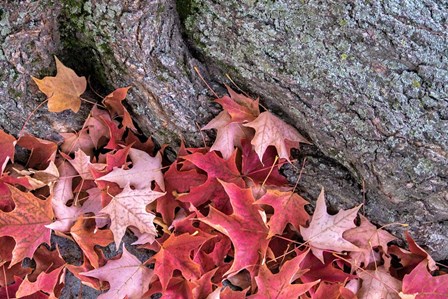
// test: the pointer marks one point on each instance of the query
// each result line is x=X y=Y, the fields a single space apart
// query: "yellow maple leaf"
x=63 y=90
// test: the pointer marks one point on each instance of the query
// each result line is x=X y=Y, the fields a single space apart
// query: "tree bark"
x=364 y=80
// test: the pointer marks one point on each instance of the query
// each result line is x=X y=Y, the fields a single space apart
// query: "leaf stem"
x=203 y=80
x=29 y=116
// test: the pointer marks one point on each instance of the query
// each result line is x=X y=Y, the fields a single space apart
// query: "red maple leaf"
x=203 y=286
x=333 y=291
x=117 y=158
x=423 y=285
x=367 y=236
x=42 y=151
x=177 y=288
x=26 y=223
x=259 y=172
x=145 y=169
x=128 y=208
x=280 y=285
x=86 y=267
x=80 y=140
x=175 y=255
x=7 y=273
x=240 y=107
x=288 y=208
x=113 y=103
x=115 y=133
x=229 y=134
x=378 y=283
x=46 y=282
x=216 y=168
x=329 y=272
x=11 y=290
x=176 y=182
x=245 y=228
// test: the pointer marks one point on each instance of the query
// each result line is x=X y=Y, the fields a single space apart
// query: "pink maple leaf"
x=271 y=130
x=145 y=169
x=325 y=231
x=127 y=276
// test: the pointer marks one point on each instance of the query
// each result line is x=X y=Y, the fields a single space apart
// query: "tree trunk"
x=366 y=81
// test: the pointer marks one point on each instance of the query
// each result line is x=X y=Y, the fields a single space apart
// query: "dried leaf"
x=145 y=169
x=325 y=231
x=271 y=130
x=129 y=208
x=378 y=284
x=64 y=90
x=126 y=276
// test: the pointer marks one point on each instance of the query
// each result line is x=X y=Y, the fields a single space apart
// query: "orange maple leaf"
x=63 y=90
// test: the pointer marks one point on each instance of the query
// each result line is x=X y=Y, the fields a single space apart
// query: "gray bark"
x=365 y=81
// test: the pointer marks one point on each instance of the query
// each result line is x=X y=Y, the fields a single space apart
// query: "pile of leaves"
x=222 y=221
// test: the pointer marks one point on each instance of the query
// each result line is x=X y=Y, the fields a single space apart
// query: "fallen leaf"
x=416 y=249
x=64 y=90
x=216 y=168
x=129 y=209
x=333 y=291
x=289 y=207
x=328 y=272
x=423 y=285
x=229 y=134
x=62 y=193
x=266 y=172
x=117 y=158
x=95 y=125
x=203 y=286
x=271 y=130
x=42 y=151
x=178 y=288
x=280 y=285
x=113 y=103
x=75 y=141
x=115 y=133
x=26 y=223
x=45 y=282
x=10 y=290
x=245 y=228
x=87 y=280
x=378 y=284
x=174 y=254
x=145 y=169
x=325 y=231
x=367 y=237
x=127 y=276
x=81 y=163
x=176 y=182
x=39 y=178
x=240 y=107
x=87 y=236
